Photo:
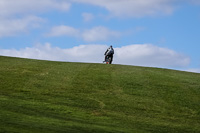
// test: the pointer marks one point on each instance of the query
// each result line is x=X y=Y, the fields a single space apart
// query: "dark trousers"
x=107 y=56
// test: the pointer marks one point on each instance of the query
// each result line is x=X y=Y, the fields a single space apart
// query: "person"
x=109 y=53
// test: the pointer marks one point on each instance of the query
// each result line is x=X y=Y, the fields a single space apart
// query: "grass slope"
x=44 y=96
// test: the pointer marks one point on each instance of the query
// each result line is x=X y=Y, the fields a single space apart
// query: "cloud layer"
x=98 y=33
x=63 y=30
x=195 y=70
x=139 y=54
x=19 y=7
x=20 y=16
x=150 y=55
x=137 y=8
x=11 y=27
x=12 y=13
x=87 y=17
x=133 y=8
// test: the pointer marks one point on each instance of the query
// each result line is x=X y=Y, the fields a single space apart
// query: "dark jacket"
x=109 y=51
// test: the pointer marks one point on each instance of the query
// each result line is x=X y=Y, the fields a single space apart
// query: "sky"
x=152 y=33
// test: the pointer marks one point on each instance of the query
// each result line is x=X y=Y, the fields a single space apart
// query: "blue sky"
x=154 y=33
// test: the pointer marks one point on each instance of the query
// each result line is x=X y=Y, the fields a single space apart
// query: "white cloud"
x=140 y=54
x=63 y=30
x=87 y=17
x=134 y=8
x=195 y=70
x=82 y=53
x=98 y=33
x=16 y=18
x=150 y=55
x=13 y=7
x=11 y=27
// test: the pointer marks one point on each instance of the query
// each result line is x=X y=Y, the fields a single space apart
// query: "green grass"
x=47 y=97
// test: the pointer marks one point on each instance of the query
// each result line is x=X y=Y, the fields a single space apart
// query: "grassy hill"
x=47 y=97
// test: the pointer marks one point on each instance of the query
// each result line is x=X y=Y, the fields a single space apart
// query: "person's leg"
x=111 y=59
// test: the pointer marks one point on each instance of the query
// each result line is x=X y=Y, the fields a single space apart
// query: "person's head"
x=111 y=46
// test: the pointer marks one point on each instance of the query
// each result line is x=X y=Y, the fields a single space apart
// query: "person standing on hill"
x=109 y=53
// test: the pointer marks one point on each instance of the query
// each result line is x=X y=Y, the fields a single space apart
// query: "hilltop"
x=46 y=96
